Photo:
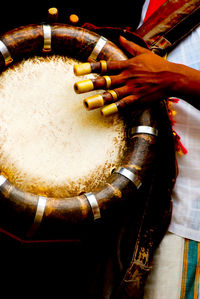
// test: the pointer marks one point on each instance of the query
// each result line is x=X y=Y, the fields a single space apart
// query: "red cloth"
x=153 y=6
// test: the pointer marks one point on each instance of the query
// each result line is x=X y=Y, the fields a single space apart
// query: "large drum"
x=62 y=166
x=65 y=171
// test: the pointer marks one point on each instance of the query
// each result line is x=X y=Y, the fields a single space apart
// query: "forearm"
x=166 y=78
x=185 y=84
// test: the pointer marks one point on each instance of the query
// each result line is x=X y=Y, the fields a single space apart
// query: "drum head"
x=51 y=144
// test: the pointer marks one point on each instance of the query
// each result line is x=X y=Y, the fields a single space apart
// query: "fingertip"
x=128 y=45
x=132 y=47
x=122 y=38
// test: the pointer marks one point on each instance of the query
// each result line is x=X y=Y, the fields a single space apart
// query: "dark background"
x=107 y=13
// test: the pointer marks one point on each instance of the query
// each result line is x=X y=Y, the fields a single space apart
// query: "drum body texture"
x=45 y=40
x=80 y=43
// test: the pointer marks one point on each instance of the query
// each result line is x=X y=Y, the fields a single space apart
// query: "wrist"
x=177 y=79
x=184 y=82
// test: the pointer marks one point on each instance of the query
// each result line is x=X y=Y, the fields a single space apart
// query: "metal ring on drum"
x=33 y=211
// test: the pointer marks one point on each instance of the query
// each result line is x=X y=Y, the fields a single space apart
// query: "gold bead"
x=108 y=81
x=104 y=66
x=113 y=94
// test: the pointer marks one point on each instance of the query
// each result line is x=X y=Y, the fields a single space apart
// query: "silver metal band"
x=97 y=49
x=47 y=38
x=6 y=54
x=38 y=215
x=2 y=180
x=129 y=175
x=94 y=205
x=40 y=210
x=144 y=130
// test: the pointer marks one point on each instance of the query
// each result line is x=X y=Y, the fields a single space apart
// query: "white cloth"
x=144 y=10
x=165 y=279
x=186 y=195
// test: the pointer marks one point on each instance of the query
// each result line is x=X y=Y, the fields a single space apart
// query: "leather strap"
x=173 y=21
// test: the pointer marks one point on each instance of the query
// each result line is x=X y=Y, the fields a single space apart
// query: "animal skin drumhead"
x=50 y=144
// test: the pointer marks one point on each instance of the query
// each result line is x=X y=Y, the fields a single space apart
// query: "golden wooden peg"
x=83 y=86
x=94 y=102
x=73 y=19
x=52 y=14
x=82 y=69
x=109 y=110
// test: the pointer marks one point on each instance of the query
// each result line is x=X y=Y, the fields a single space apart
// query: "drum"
x=62 y=166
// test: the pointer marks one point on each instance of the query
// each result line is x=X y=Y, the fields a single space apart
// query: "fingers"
x=110 y=96
x=100 y=67
x=104 y=82
x=127 y=103
x=131 y=47
x=100 y=100
x=103 y=66
x=115 y=85
x=123 y=101
x=123 y=87
x=118 y=106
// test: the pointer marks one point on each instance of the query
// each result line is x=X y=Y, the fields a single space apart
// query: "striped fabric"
x=176 y=270
x=190 y=273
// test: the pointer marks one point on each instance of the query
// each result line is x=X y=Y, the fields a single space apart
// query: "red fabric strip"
x=153 y=6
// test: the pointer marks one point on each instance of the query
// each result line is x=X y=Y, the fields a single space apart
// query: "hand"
x=143 y=79
x=139 y=81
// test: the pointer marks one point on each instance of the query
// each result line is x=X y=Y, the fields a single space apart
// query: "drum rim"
x=33 y=211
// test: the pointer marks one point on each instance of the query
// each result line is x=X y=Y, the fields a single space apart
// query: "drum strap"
x=153 y=6
x=162 y=31
x=169 y=24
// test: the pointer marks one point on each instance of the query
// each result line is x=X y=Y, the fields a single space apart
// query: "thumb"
x=131 y=47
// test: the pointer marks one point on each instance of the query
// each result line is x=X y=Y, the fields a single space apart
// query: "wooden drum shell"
x=17 y=208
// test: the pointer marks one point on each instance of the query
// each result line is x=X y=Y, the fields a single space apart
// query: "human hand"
x=138 y=82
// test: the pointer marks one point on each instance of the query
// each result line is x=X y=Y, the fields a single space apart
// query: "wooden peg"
x=52 y=14
x=73 y=19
